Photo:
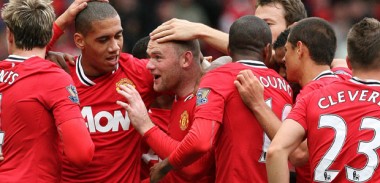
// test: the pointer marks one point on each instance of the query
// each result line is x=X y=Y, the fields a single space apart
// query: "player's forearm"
x=145 y=126
x=163 y=145
x=57 y=33
x=277 y=165
x=300 y=156
x=77 y=143
x=215 y=38
x=160 y=142
x=198 y=141
x=266 y=118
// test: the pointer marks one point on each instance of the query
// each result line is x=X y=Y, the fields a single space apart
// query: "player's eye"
x=118 y=36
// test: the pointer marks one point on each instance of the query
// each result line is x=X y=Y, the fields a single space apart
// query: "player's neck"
x=366 y=75
x=189 y=84
x=40 y=52
x=246 y=57
x=310 y=72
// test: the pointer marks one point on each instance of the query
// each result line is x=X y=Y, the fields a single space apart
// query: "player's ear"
x=79 y=40
x=302 y=49
x=267 y=54
x=187 y=59
x=348 y=61
x=9 y=35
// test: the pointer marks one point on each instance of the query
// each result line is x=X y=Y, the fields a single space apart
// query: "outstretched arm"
x=177 y=29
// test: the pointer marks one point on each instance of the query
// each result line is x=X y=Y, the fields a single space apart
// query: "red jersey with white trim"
x=342 y=125
x=182 y=116
x=323 y=79
x=240 y=145
x=36 y=96
x=118 y=154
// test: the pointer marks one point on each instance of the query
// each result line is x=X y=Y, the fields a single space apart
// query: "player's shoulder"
x=43 y=66
x=320 y=89
x=128 y=62
x=226 y=69
x=126 y=58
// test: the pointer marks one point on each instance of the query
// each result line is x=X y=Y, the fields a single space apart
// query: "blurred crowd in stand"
x=140 y=17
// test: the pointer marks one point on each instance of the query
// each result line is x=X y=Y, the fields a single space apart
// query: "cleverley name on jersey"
x=345 y=96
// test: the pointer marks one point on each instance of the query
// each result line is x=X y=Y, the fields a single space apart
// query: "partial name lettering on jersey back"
x=8 y=77
x=104 y=121
x=349 y=96
x=275 y=82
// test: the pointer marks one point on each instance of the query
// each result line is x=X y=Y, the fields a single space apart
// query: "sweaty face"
x=164 y=66
x=292 y=63
x=274 y=15
x=102 y=46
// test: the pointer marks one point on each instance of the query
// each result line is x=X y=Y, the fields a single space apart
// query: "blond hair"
x=31 y=22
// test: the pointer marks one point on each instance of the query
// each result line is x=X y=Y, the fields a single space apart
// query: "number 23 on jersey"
x=323 y=173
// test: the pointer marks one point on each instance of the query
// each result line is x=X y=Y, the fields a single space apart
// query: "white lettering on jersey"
x=150 y=156
x=274 y=82
x=343 y=96
x=8 y=76
x=113 y=120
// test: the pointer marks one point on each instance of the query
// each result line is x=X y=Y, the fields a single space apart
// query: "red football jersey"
x=241 y=145
x=181 y=119
x=118 y=154
x=182 y=116
x=36 y=96
x=342 y=124
x=323 y=79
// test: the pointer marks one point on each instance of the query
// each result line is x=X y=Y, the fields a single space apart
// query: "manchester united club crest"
x=125 y=82
x=184 y=121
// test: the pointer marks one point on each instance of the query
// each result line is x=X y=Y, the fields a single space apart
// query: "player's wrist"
x=203 y=31
x=145 y=127
x=167 y=166
x=258 y=106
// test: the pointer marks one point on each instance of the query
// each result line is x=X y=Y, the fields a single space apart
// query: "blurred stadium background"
x=140 y=17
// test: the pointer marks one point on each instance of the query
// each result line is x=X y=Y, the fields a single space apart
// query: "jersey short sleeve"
x=61 y=96
x=298 y=113
x=211 y=98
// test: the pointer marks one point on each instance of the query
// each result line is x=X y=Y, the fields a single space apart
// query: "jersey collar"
x=16 y=58
x=82 y=76
x=186 y=98
x=253 y=63
x=325 y=74
x=369 y=82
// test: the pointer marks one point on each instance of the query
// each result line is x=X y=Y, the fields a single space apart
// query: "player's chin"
x=158 y=88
